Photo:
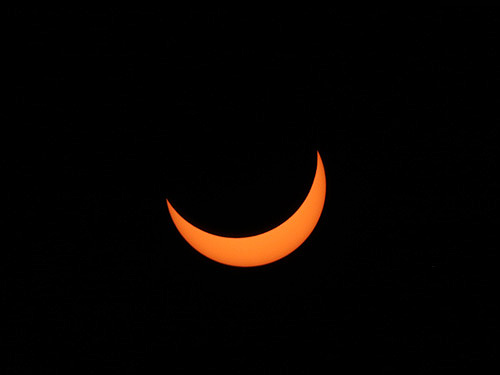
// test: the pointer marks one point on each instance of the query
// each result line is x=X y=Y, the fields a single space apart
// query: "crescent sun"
x=266 y=247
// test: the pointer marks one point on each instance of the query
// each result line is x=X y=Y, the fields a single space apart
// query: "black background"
x=221 y=112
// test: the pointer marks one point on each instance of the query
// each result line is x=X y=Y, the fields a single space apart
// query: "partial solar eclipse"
x=266 y=247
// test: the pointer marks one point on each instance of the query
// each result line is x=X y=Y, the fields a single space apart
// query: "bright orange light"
x=263 y=248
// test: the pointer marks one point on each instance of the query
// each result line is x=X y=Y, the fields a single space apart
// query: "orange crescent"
x=266 y=247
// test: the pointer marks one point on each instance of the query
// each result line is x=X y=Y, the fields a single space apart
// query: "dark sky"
x=222 y=112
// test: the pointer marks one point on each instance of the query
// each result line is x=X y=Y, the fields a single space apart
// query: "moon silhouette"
x=266 y=247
